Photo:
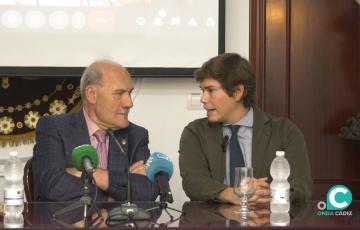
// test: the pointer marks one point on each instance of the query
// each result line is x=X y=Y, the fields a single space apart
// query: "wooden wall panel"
x=307 y=55
x=257 y=44
x=276 y=99
x=325 y=84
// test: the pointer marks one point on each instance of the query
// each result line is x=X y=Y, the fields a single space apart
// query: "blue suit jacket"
x=57 y=136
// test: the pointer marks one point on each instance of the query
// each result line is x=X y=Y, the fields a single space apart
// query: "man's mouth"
x=126 y=112
x=209 y=110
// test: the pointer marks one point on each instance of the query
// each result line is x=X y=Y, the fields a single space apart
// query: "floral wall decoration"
x=24 y=100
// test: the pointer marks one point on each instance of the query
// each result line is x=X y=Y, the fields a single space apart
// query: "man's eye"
x=119 y=94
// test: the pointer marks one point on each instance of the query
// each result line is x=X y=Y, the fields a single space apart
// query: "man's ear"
x=91 y=93
x=239 y=92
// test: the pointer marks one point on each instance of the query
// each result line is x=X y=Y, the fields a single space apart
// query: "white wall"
x=161 y=108
x=237 y=27
x=161 y=104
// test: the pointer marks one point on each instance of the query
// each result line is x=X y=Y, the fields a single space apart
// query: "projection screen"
x=150 y=37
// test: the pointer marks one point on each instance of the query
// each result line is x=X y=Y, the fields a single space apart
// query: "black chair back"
x=28 y=181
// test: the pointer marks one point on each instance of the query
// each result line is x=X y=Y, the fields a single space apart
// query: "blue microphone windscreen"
x=158 y=162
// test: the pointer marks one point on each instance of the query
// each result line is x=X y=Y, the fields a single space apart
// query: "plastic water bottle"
x=13 y=192
x=13 y=221
x=280 y=187
x=279 y=219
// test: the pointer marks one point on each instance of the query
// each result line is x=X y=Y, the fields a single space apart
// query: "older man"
x=105 y=89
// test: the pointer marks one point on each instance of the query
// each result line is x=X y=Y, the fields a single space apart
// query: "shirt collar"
x=92 y=127
x=247 y=120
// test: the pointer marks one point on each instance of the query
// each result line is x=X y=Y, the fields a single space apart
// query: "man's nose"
x=127 y=101
x=203 y=98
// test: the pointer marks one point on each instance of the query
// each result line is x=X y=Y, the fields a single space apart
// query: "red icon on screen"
x=101 y=20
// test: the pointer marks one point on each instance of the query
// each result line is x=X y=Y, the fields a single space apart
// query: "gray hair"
x=90 y=76
x=93 y=74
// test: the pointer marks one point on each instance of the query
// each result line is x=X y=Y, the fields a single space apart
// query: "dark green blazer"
x=202 y=156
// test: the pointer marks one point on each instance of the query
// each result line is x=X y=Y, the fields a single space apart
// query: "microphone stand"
x=127 y=211
x=163 y=205
x=85 y=201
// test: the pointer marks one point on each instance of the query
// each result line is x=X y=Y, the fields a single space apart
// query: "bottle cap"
x=280 y=153
x=13 y=153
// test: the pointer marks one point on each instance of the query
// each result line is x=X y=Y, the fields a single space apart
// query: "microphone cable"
x=94 y=200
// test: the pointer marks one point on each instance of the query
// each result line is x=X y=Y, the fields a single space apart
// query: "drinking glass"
x=244 y=187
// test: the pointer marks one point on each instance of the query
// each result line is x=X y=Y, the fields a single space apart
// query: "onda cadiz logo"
x=338 y=198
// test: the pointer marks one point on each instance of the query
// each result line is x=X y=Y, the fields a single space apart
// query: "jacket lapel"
x=261 y=137
x=79 y=129
x=76 y=134
x=117 y=159
x=122 y=137
x=216 y=156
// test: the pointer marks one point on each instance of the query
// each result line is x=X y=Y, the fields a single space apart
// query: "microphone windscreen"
x=82 y=151
x=158 y=162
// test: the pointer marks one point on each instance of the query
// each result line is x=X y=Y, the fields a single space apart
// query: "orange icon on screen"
x=101 y=20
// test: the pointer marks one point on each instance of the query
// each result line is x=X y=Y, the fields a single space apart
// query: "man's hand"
x=74 y=172
x=138 y=168
x=262 y=193
x=101 y=177
x=228 y=195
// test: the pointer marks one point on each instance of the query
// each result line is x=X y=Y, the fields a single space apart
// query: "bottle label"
x=13 y=196
x=280 y=195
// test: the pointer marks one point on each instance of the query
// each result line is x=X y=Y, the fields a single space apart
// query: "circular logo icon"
x=140 y=21
x=338 y=197
x=321 y=205
x=78 y=20
x=11 y=19
x=35 y=19
x=59 y=20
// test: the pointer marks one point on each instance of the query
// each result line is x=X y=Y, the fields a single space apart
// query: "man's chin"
x=213 y=119
x=121 y=125
x=125 y=125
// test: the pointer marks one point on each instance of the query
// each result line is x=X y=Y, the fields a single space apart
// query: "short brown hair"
x=231 y=70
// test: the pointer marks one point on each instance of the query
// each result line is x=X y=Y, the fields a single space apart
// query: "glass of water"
x=244 y=187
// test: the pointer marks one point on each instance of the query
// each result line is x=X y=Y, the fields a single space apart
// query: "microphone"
x=225 y=143
x=128 y=193
x=159 y=168
x=85 y=158
x=127 y=211
x=111 y=133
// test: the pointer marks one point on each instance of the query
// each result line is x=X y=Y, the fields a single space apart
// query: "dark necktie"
x=236 y=155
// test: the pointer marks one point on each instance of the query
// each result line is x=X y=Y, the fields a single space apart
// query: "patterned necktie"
x=101 y=148
x=236 y=155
